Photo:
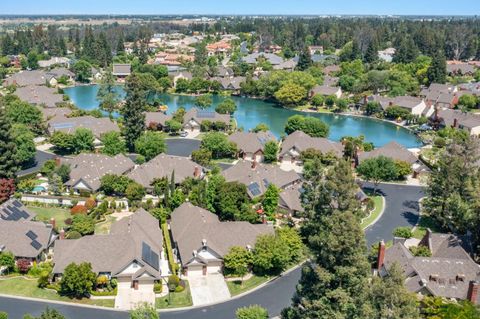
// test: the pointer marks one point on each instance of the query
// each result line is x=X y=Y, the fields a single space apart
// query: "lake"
x=251 y=112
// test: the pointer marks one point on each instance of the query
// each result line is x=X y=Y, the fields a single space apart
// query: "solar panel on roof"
x=254 y=189
x=35 y=244
x=30 y=234
x=205 y=114
x=149 y=256
x=62 y=125
x=17 y=203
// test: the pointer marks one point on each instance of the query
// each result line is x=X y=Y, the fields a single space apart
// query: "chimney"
x=196 y=172
x=254 y=164
x=381 y=255
x=473 y=291
x=62 y=234
x=455 y=122
x=52 y=222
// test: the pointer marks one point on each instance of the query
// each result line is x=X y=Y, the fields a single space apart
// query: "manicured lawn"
x=28 y=288
x=237 y=287
x=103 y=228
x=424 y=223
x=378 y=201
x=177 y=299
x=45 y=213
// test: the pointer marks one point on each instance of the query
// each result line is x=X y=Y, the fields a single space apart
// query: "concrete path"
x=208 y=289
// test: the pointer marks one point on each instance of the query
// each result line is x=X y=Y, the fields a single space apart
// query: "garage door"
x=124 y=283
x=214 y=267
x=195 y=270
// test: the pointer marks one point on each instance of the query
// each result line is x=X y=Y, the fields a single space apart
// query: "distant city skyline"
x=243 y=7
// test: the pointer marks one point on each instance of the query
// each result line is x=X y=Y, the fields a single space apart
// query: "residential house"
x=460 y=68
x=472 y=88
x=156 y=120
x=55 y=112
x=54 y=61
x=98 y=126
x=231 y=84
x=330 y=80
x=458 y=119
x=224 y=72
x=25 y=78
x=290 y=201
x=181 y=75
x=315 y=49
x=257 y=176
x=414 y=105
x=396 y=152
x=288 y=65
x=440 y=95
x=219 y=48
x=87 y=169
x=294 y=144
x=121 y=71
x=194 y=117
x=448 y=273
x=96 y=74
x=326 y=90
x=131 y=253
x=270 y=57
x=330 y=69
x=39 y=95
x=250 y=145
x=201 y=240
x=166 y=166
x=54 y=75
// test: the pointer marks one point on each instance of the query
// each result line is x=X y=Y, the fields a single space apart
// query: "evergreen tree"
x=437 y=72
x=407 y=51
x=120 y=44
x=133 y=111
x=304 y=60
x=107 y=94
x=372 y=52
x=8 y=158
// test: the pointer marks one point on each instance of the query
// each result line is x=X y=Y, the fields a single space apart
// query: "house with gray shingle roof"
x=98 y=126
x=458 y=119
x=194 y=117
x=156 y=120
x=290 y=200
x=270 y=57
x=121 y=70
x=449 y=272
x=231 y=84
x=326 y=90
x=164 y=166
x=461 y=68
x=39 y=95
x=257 y=176
x=414 y=105
x=131 y=253
x=24 y=78
x=201 y=240
x=87 y=169
x=250 y=145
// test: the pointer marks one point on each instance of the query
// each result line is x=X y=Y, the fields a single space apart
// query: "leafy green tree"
x=133 y=111
x=407 y=51
x=231 y=202
x=304 y=60
x=63 y=142
x=32 y=60
x=372 y=108
x=219 y=145
x=114 y=184
x=49 y=313
x=83 y=139
x=150 y=144
x=135 y=192
x=227 y=106
x=83 y=224
x=330 y=101
x=291 y=94
x=261 y=127
x=25 y=146
x=237 y=261
x=83 y=71
x=270 y=256
x=19 y=112
x=173 y=126
x=270 y=151
x=378 y=169
x=7 y=259
x=63 y=171
x=270 y=200
x=78 y=280
x=113 y=143
x=395 y=112
x=403 y=232
x=309 y=125
x=107 y=94
x=469 y=101
x=144 y=311
x=403 y=169
x=8 y=150
x=318 y=100
x=436 y=307
x=203 y=101
x=291 y=237
x=252 y=312
x=202 y=157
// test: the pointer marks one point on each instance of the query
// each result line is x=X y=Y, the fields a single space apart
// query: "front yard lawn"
x=424 y=223
x=177 y=299
x=28 y=288
x=46 y=213
x=378 y=201
x=237 y=287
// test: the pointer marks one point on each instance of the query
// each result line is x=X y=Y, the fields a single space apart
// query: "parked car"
x=183 y=134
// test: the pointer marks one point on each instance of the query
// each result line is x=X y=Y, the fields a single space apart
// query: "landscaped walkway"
x=208 y=289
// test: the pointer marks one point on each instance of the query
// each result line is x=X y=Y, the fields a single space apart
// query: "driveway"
x=128 y=298
x=40 y=158
x=401 y=209
x=208 y=289
x=181 y=146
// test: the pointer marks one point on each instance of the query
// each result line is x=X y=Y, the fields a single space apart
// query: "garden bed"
x=379 y=205
x=175 y=299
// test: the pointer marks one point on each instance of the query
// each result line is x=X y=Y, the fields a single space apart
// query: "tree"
x=261 y=127
x=19 y=112
x=372 y=108
x=150 y=144
x=237 y=261
x=203 y=101
x=437 y=72
x=107 y=94
x=83 y=224
x=270 y=151
x=78 y=280
x=252 y=312
x=309 y=125
x=8 y=151
x=270 y=200
x=114 y=184
x=390 y=298
x=23 y=265
x=83 y=71
x=135 y=192
x=371 y=55
x=407 y=51
x=113 y=143
x=291 y=94
x=403 y=169
x=32 y=60
x=173 y=126
x=202 y=157
x=270 y=256
x=218 y=144
x=49 y=313
x=63 y=142
x=25 y=146
x=133 y=111
x=231 y=202
x=304 y=60
x=378 y=169
x=7 y=188
x=7 y=259
x=318 y=100
x=227 y=106
x=468 y=100
x=83 y=139
x=144 y=311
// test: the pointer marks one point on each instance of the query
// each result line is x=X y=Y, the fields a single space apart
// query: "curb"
x=384 y=204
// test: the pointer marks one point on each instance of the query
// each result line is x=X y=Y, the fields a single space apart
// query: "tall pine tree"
x=8 y=160
x=133 y=111
x=437 y=72
x=304 y=60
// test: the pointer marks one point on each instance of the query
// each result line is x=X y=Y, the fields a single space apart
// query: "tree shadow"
x=410 y=217
x=412 y=205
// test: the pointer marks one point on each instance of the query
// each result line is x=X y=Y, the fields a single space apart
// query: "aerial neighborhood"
x=157 y=163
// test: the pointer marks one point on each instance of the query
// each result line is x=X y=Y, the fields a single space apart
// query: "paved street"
x=40 y=158
x=401 y=209
x=181 y=146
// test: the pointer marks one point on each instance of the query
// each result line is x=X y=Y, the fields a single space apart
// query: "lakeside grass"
x=177 y=299
x=378 y=202
x=28 y=288
x=46 y=213
x=237 y=287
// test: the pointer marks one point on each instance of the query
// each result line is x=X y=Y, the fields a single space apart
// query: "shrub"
x=68 y=221
x=3 y=315
x=73 y=235
x=23 y=265
x=179 y=288
x=402 y=232
x=168 y=246
x=173 y=280
x=90 y=203
x=78 y=209
x=252 y=312
x=157 y=287
x=102 y=281
x=421 y=251
x=43 y=279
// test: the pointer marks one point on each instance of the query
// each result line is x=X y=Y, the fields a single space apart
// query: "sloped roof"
x=448 y=117
x=38 y=95
x=392 y=150
x=55 y=112
x=115 y=251
x=204 y=115
x=98 y=126
x=250 y=142
x=121 y=69
x=24 y=78
x=190 y=225
x=325 y=90
x=156 y=117
x=301 y=141
x=25 y=238
x=14 y=210
x=290 y=198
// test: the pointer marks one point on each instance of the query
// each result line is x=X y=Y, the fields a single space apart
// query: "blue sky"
x=382 y=7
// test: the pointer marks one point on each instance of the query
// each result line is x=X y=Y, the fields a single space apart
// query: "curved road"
x=401 y=210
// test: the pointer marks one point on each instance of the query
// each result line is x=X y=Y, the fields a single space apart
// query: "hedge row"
x=168 y=247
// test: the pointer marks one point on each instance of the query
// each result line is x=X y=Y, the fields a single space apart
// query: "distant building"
x=121 y=70
x=39 y=95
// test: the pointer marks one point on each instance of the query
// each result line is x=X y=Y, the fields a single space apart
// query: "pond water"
x=251 y=112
